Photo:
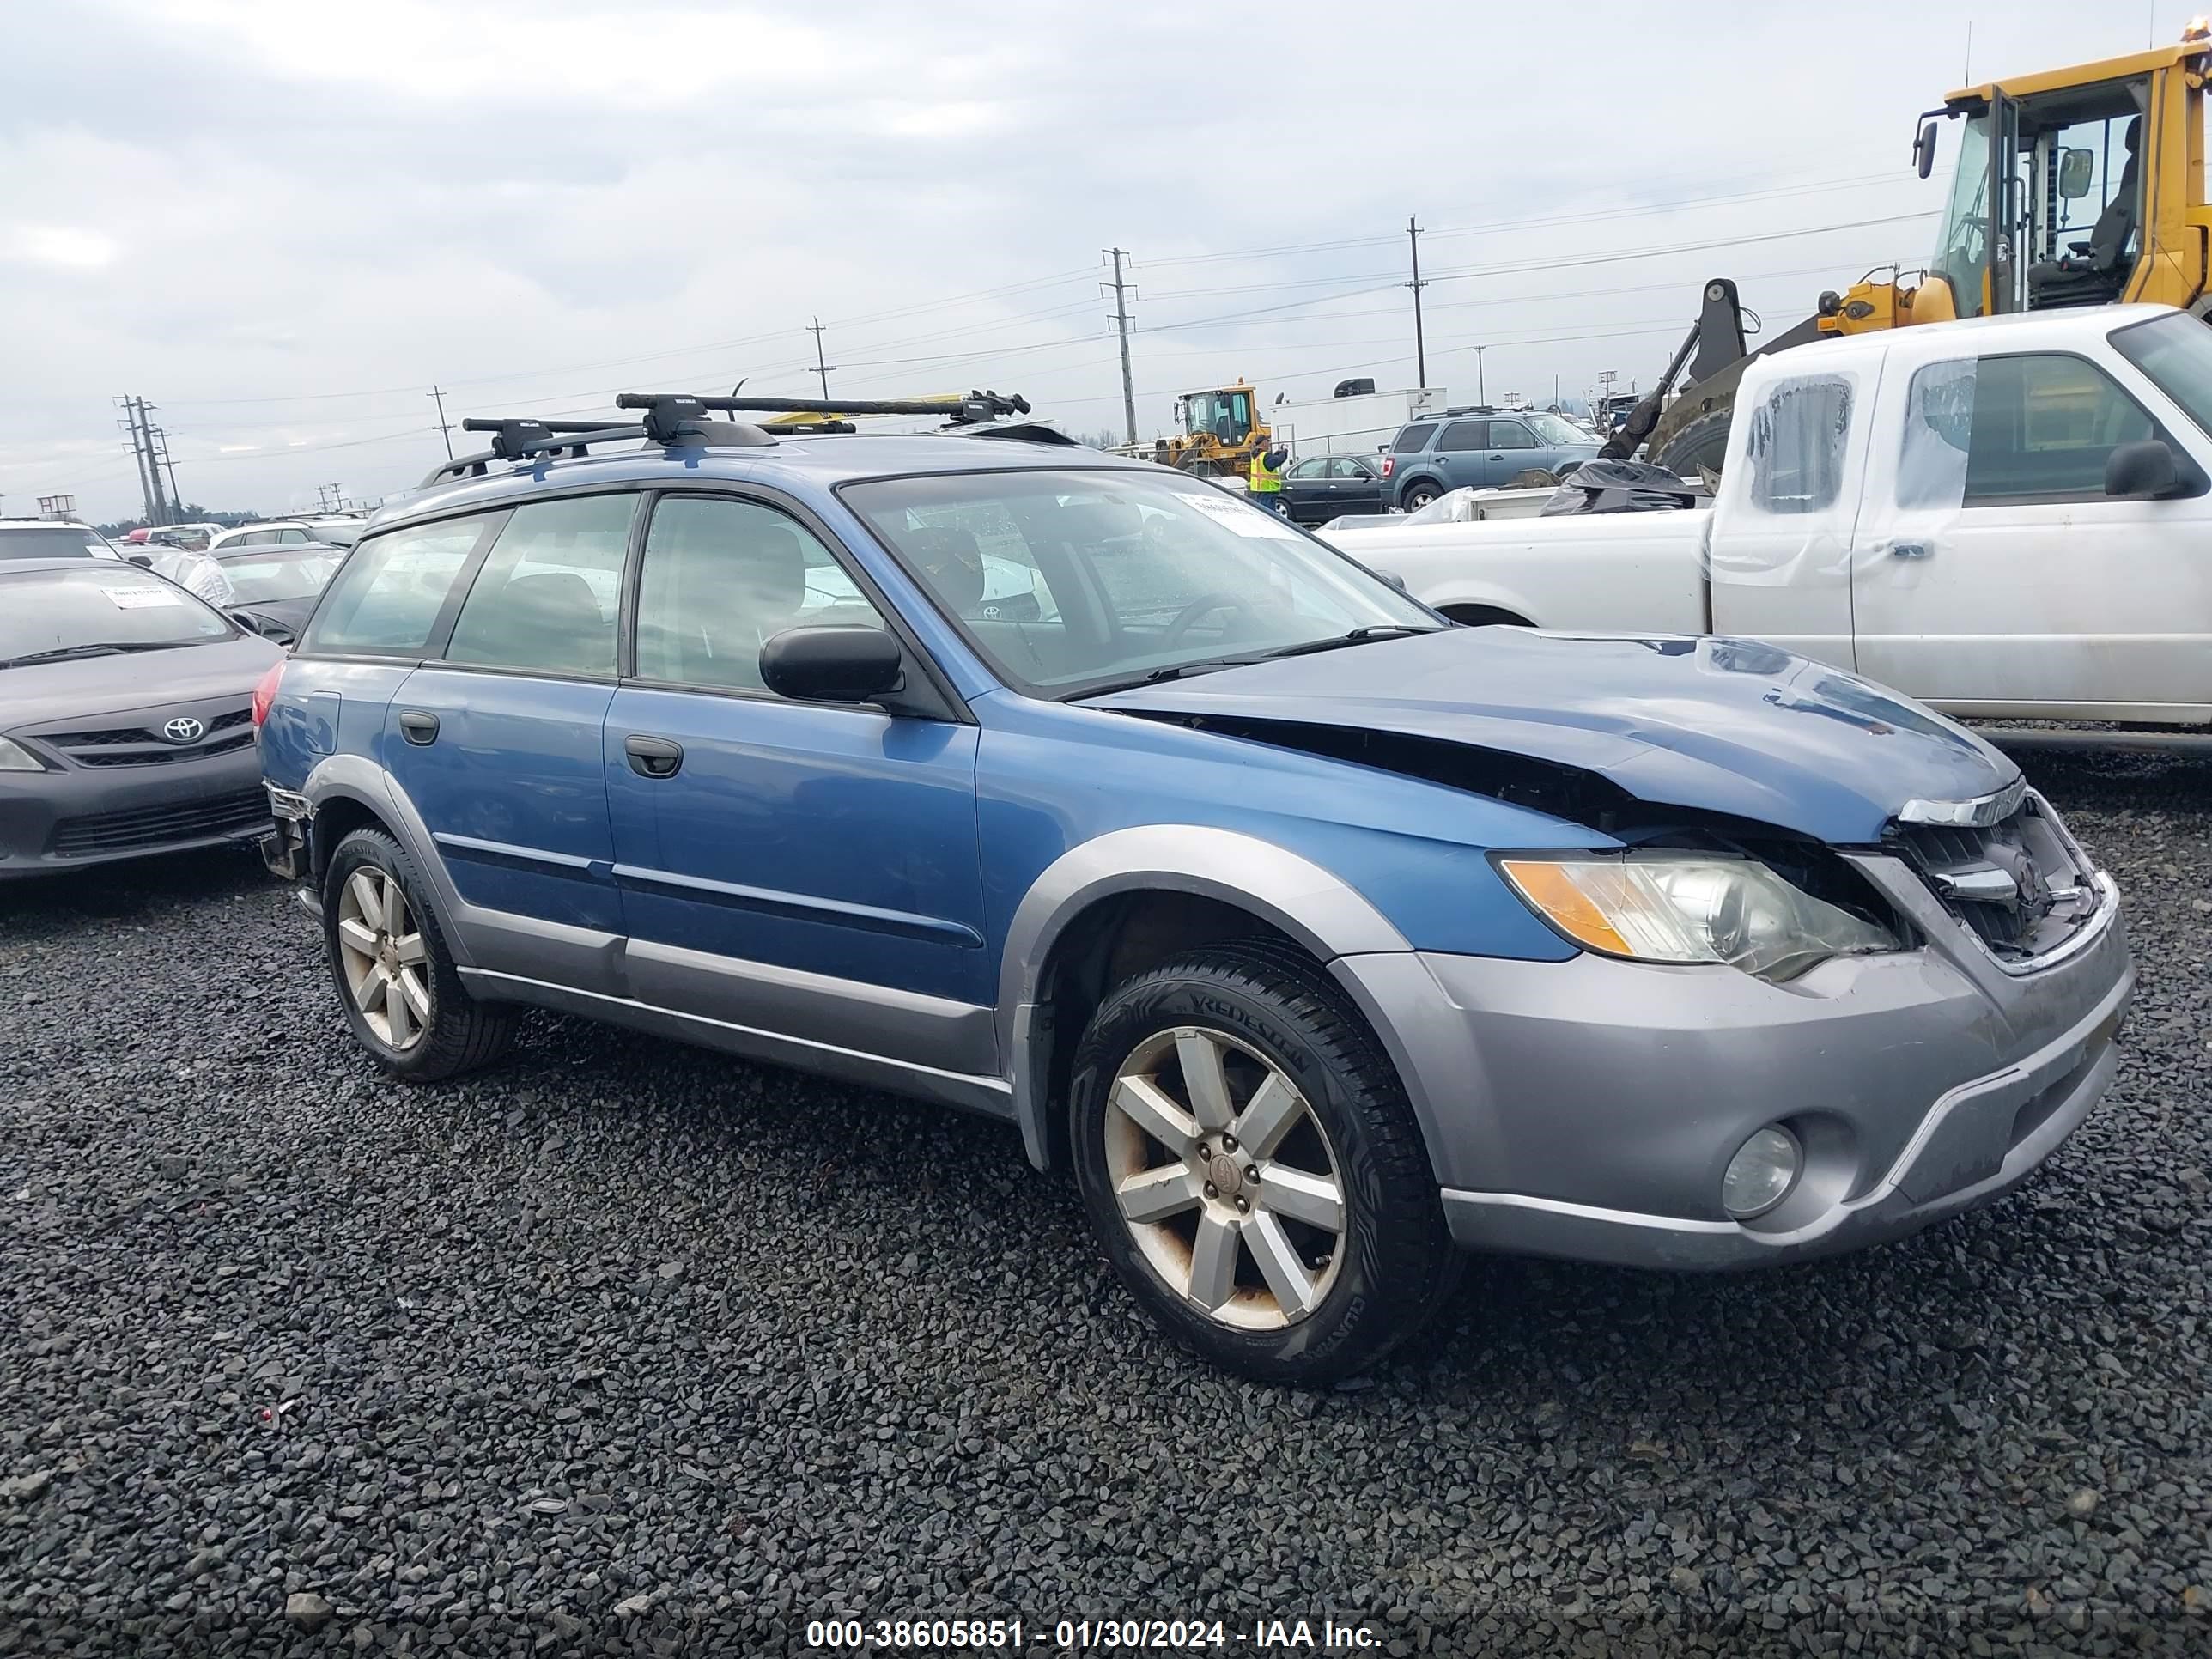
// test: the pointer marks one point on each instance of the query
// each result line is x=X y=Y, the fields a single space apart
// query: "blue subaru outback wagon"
x=1317 y=938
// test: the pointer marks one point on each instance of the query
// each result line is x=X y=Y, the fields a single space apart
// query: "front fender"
x=1319 y=910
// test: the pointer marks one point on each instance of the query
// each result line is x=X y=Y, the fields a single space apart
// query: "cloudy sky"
x=283 y=223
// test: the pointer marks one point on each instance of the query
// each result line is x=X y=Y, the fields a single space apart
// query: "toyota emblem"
x=183 y=729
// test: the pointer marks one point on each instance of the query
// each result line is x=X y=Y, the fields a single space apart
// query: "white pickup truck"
x=2007 y=518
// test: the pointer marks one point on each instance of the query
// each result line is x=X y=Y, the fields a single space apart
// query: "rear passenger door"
x=1462 y=454
x=807 y=869
x=497 y=745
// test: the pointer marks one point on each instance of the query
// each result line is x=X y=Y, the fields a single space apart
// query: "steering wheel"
x=1203 y=605
x=1970 y=240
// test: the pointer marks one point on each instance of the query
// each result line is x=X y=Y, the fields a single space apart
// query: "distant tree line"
x=190 y=513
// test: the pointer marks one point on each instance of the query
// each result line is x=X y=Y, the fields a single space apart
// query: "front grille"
x=144 y=745
x=2021 y=886
x=240 y=812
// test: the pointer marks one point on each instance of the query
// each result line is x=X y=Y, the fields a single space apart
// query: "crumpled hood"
x=1726 y=726
x=38 y=694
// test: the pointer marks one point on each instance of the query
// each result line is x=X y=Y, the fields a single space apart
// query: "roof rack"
x=976 y=409
x=678 y=417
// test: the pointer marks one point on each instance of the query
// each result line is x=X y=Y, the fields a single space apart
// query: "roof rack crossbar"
x=974 y=408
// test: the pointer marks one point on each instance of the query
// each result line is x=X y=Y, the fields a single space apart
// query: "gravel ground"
x=623 y=1347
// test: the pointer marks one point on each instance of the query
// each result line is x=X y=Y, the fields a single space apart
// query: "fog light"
x=1760 y=1174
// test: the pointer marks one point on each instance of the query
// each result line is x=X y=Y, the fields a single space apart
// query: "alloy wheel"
x=1225 y=1178
x=384 y=956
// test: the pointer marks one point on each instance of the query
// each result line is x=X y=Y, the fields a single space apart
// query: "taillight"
x=1389 y=465
x=265 y=692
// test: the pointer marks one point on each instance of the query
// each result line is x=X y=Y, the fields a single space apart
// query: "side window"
x=385 y=598
x=724 y=577
x=2043 y=426
x=548 y=595
x=1465 y=434
x=292 y=536
x=1313 y=469
x=1345 y=467
x=1412 y=438
x=1796 y=446
x=1510 y=434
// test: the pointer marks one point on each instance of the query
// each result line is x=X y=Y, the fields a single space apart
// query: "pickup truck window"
x=1796 y=446
x=2176 y=352
x=1993 y=431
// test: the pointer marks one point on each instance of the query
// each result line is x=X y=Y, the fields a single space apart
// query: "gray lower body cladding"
x=1588 y=1109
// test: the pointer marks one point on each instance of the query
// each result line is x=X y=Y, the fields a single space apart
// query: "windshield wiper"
x=104 y=648
x=1357 y=636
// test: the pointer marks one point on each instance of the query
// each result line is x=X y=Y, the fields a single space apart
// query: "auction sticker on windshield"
x=1244 y=520
x=142 y=599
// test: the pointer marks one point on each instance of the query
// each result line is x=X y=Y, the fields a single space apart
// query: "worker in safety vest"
x=1264 y=483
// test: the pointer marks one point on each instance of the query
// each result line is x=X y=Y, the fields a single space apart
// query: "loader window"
x=1796 y=446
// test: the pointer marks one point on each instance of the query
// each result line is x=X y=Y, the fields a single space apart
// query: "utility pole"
x=1121 y=322
x=820 y=367
x=444 y=427
x=1420 y=351
x=160 y=439
x=142 y=452
x=1481 y=394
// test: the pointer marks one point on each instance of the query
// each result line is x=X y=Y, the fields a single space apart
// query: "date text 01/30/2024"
x=1078 y=1635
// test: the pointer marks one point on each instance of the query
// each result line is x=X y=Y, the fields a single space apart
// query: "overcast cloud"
x=282 y=223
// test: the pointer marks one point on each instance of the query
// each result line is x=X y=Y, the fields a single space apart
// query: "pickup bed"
x=2006 y=518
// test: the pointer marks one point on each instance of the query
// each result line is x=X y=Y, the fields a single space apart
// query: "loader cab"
x=2082 y=186
x=1224 y=413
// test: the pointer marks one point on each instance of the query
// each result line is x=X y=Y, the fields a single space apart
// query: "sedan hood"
x=1724 y=726
x=38 y=694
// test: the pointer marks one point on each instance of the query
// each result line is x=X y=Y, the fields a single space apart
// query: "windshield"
x=1962 y=240
x=2176 y=352
x=99 y=605
x=279 y=575
x=1552 y=429
x=1071 y=581
x=59 y=541
x=1226 y=414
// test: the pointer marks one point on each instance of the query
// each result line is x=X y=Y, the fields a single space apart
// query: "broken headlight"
x=1678 y=906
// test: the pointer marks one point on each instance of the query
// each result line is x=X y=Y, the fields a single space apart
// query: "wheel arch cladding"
x=1188 y=884
x=359 y=793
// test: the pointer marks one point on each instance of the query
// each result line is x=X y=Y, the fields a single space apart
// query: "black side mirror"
x=831 y=664
x=143 y=561
x=2144 y=469
x=1924 y=149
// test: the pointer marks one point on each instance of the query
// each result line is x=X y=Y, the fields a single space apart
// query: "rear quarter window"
x=387 y=598
x=1412 y=438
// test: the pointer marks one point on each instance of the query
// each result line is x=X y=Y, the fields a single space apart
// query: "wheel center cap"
x=1223 y=1171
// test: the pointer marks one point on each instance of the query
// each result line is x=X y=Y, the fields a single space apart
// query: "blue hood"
x=1725 y=726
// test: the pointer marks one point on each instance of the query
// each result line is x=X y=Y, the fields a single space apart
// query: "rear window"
x=1413 y=437
x=58 y=542
x=385 y=601
x=105 y=604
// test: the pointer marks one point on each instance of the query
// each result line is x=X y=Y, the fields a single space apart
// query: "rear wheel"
x=1701 y=444
x=395 y=978
x=1252 y=1168
x=1418 y=495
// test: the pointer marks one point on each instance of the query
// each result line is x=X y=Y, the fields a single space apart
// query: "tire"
x=438 y=1031
x=1369 y=1275
x=1702 y=443
x=1418 y=495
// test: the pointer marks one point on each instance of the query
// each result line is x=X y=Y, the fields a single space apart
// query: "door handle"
x=418 y=727
x=653 y=757
x=1909 y=550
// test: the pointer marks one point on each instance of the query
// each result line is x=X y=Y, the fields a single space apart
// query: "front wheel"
x=1252 y=1168
x=395 y=978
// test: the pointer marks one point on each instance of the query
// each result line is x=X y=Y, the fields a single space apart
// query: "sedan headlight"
x=14 y=757
x=1679 y=907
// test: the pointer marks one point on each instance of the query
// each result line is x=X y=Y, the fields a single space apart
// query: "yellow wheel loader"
x=2079 y=186
x=1222 y=430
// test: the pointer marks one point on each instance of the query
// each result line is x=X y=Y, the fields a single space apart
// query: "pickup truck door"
x=1993 y=576
x=1777 y=558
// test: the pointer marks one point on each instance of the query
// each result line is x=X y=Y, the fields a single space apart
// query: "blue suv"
x=1317 y=938
x=1481 y=448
